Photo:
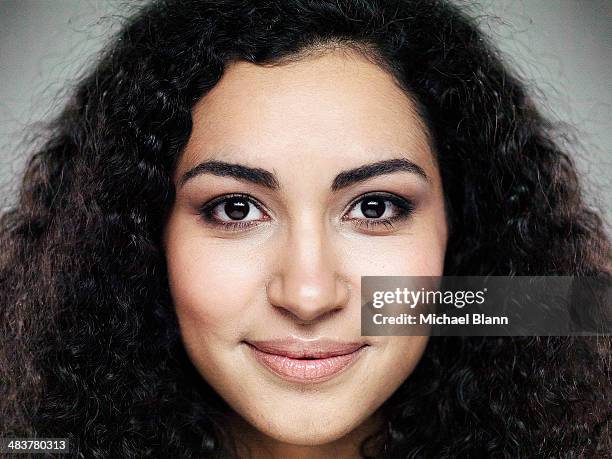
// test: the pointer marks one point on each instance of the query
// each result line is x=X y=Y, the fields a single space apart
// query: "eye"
x=376 y=209
x=233 y=212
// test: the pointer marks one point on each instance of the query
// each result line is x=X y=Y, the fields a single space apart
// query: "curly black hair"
x=90 y=346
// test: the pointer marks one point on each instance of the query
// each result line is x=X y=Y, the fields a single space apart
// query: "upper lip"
x=297 y=348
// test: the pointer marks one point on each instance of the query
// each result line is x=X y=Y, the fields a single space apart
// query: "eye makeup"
x=229 y=212
x=378 y=214
x=370 y=211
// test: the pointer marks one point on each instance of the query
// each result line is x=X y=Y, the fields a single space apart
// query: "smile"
x=306 y=361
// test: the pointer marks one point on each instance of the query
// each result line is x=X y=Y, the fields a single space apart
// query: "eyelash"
x=206 y=211
x=405 y=209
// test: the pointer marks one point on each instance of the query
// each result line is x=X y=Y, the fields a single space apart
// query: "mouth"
x=306 y=361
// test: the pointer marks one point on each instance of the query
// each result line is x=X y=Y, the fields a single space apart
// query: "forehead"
x=336 y=109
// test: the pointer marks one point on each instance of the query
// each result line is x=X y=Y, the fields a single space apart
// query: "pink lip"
x=306 y=361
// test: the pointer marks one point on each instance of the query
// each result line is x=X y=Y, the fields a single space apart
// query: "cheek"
x=213 y=287
x=417 y=253
x=403 y=353
x=417 y=250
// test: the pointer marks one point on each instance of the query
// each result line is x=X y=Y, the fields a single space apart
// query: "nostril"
x=305 y=316
x=307 y=299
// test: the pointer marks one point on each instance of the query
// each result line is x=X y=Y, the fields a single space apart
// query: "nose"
x=308 y=285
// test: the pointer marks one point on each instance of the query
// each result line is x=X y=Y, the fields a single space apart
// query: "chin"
x=311 y=431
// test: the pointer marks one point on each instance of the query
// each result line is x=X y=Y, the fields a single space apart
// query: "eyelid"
x=403 y=203
x=210 y=205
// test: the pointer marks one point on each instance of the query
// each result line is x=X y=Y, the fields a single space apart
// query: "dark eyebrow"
x=359 y=174
x=268 y=179
x=222 y=169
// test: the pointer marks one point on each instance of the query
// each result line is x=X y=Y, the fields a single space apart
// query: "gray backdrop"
x=563 y=47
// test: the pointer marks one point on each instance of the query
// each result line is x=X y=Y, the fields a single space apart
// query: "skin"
x=296 y=271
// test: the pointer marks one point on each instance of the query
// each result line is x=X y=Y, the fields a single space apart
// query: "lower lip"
x=306 y=370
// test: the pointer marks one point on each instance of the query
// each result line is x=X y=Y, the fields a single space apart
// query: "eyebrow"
x=238 y=171
x=366 y=172
x=267 y=179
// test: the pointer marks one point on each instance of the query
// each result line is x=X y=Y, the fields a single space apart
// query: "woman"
x=180 y=275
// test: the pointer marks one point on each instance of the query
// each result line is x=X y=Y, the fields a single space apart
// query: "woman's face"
x=296 y=181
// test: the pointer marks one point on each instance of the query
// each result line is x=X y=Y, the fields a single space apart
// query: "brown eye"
x=386 y=207
x=373 y=207
x=233 y=209
x=237 y=208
